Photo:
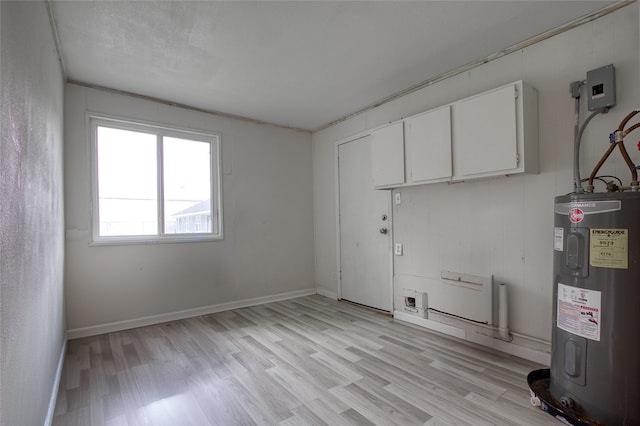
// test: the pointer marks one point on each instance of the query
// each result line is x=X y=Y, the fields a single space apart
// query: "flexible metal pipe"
x=577 y=182
x=578 y=132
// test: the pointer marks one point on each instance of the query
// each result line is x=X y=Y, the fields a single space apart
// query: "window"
x=152 y=183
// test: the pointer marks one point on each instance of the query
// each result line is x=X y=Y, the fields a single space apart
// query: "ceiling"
x=300 y=64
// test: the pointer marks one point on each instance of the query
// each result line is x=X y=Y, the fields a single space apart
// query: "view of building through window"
x=138 y=195
x=187 y=185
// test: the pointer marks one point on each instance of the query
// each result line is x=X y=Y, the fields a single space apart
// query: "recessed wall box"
x=415 y=302
x=601 y=88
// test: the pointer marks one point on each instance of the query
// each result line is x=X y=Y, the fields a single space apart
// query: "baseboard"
x=543 y=358
x=187 y=313
x=56 y=386
x=326 y=293
x=431 y=325
x=471 y=336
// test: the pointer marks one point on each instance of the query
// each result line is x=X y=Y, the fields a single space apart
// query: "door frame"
x=339 y=142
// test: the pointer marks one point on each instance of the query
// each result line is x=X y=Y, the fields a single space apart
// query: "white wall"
x=32 y=328
x=268 y=229
x=503 y=226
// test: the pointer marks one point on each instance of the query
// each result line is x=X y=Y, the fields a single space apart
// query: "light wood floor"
x=306 y=361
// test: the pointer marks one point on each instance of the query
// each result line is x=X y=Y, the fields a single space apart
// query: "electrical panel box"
x=601 y=86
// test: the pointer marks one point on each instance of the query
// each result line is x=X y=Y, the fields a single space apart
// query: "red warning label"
x=576 y=215
x=579 y=311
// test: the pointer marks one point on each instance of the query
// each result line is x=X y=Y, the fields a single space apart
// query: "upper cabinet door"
x=428 y=146
x=485 y=135
x=387 y=155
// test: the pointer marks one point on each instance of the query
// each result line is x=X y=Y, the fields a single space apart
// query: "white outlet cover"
x=398 y=249
x=398 y=198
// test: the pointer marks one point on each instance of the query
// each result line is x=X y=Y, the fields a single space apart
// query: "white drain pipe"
x=503 y=313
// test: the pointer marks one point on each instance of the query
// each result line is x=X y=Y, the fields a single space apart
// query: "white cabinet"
x=495 y=133
x=490 y=134
x=428 y=146
x=387 y=156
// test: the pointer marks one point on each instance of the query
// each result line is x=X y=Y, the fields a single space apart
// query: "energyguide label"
x=609 y=248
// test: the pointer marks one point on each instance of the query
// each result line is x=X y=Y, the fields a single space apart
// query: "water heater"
x=594 y=377
x=595 y=361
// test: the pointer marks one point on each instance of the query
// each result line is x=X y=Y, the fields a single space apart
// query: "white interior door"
x=365 y=229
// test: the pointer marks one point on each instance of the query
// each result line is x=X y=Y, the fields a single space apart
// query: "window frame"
x=95 y=120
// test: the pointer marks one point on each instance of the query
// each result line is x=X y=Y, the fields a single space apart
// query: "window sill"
x=125 y=241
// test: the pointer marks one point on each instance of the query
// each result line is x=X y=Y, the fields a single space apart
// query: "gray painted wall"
x=32 y=325
x=268 y=225
x=504 y=226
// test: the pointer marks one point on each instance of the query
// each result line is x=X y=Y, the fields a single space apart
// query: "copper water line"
x=623 y=150
x=627 y=159
x=626 y=119
x=631 y=129
x=619 y=133
x=595 y=170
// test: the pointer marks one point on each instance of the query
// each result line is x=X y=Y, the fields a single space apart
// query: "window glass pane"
x=127 y=182
x=187 y=186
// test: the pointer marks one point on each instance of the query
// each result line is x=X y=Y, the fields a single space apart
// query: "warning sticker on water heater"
x=579 y=311
x=558 y=239
x=609 y=248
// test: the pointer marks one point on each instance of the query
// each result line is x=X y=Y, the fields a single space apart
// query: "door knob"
x=383 y=230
